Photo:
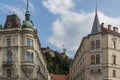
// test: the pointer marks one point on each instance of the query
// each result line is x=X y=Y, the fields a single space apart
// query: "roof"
x=59 y=77
x=106 y=30
x=27 y=24
x=96 y=25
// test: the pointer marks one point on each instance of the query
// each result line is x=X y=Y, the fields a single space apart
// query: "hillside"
x=57 y=64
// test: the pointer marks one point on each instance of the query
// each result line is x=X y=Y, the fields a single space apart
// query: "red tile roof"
x=106 y=30
x=59 y=77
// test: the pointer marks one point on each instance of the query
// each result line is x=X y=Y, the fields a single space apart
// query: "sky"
x=63 y=22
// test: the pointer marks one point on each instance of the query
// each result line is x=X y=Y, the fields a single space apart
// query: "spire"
x=27 y=5
x=96 y=25
x=27 y=15
x=64 y=49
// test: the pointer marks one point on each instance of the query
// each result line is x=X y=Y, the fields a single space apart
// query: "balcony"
x=95 y=67
x=27 y=67
x=8 y=63
x=96 y=50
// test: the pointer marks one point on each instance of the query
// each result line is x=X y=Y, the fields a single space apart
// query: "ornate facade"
x=98 y=56
x=21 y=57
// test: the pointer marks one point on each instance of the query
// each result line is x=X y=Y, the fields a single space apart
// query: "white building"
x=98 y=57
x=20 y=51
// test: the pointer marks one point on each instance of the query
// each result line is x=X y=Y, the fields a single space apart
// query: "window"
x=29 y=42
x=97 y=44
x=97 y=59
x=114 y=73
x=9 y=24
x=32 y=57
x=8 y=72
x=114 y=59
x=92 y=59
x=113 y=44
x=8 y=42
x=9 y=57
x=29 y=57
x=92 y=44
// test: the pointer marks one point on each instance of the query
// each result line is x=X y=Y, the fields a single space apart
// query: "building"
x=53 y=53
x=21 y=57
x=97 y=57
x=71 y=72
x=48 y=50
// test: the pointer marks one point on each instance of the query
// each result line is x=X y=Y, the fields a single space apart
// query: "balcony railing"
x=95 y=50
x=8 y=63
x=95 y=67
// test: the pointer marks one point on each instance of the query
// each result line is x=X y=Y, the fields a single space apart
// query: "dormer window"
x=9 y=25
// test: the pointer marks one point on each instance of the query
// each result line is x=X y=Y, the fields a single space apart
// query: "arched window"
x=113 y=44
x=28 y=57
x=92 y=59
x=98 y=44
x=114 y=59
x=8 y=72
x=92 y=44
x=97 y=59
x=9 y=57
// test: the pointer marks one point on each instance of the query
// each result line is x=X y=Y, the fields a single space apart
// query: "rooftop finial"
x=96 y=6
x=27 y=12
x=27 y=5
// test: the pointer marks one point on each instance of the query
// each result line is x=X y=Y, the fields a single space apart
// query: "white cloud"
x=71 y=27
x=12 y=9
x=59 y=6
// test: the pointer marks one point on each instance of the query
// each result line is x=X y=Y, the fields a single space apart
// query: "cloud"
x=70 y=29
x=59 y=6
x=19 y=10
x=12 y=9
x=71 y=26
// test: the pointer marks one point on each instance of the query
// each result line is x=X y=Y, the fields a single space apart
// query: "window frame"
x=97 y=43
x=29 y=42
x=97 y=59
x=114 y=44
x=9 y=73
x=8 y=42
x=114 y=73
x=92 y=59
x=92 y=44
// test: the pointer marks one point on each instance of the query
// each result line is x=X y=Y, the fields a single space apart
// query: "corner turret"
x=96 y=26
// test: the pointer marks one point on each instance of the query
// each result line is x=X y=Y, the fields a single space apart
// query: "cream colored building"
x=98 y=57
x=20 y=51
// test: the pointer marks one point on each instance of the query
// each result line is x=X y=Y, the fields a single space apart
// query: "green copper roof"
x=27 y=24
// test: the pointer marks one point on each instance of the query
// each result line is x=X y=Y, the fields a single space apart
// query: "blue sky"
x=63 y=21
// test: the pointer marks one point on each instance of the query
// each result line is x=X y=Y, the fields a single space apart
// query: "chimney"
x=109 y=27
x=102 y=25
x=115 y=29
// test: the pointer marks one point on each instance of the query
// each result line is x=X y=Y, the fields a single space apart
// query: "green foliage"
x=57 y=64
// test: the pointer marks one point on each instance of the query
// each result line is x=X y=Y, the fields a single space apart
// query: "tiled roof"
x=106 y=30
x=59 y=77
